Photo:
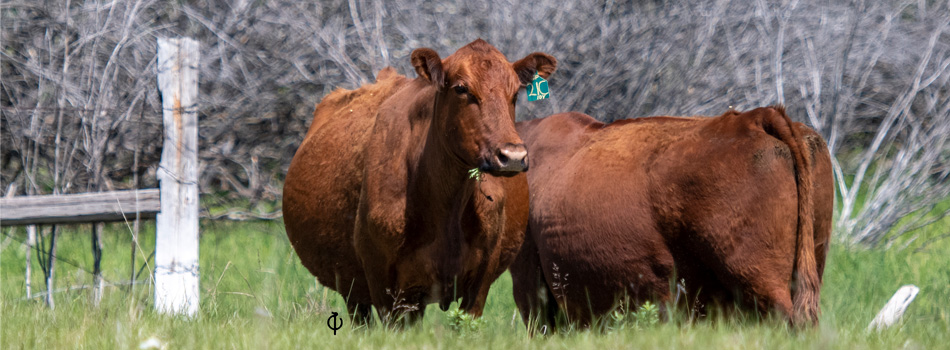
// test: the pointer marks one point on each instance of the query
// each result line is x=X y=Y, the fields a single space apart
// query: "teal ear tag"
x=538 y=89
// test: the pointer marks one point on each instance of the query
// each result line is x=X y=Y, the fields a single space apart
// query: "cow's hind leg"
x=758 y=272
x=776 y=299
x=759 y=292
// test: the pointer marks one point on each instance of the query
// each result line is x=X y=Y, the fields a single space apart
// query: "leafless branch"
x=870 y=76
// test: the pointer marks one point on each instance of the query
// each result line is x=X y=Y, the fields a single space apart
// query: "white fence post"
x=894 y=308
x=176 y=243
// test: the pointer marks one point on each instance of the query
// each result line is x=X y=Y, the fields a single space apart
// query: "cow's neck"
x=441 y=195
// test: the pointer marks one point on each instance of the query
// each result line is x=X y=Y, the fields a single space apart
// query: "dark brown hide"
x=738 y=207
x=378 y=202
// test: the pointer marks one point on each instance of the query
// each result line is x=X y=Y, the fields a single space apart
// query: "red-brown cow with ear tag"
x=381 y=201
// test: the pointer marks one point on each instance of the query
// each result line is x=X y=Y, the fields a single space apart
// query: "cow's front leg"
x=377 y=278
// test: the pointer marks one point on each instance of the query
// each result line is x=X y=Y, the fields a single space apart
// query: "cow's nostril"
x=502 y=158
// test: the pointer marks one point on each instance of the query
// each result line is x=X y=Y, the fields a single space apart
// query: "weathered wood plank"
x=79 y=208
x=895 y=307
x=176 y=243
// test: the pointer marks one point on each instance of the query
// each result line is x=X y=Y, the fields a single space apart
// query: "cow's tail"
x=805 y=281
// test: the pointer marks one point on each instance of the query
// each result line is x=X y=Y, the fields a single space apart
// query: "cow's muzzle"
x=508 y=160
x=445 y=303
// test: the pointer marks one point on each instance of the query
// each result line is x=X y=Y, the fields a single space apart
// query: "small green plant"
x=646 y=316
x=476 y=174
x=616 y=321
x=464 y=323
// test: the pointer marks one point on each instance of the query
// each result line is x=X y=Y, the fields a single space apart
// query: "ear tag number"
x=538 y=89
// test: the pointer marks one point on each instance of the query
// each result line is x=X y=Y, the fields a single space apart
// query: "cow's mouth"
x=501 y=173
x=504 y=170
x=445 y=303
x=444 y=294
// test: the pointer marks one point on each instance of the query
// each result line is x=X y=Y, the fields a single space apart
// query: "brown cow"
x=380 y=202
x=738 y=207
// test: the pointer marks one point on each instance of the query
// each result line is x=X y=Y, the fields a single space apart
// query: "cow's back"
x=321 y=190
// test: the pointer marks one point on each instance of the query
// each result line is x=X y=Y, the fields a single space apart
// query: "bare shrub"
x=77 y=79
x=871 y=76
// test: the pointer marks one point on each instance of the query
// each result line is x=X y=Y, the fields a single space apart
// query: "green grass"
x=256 y=295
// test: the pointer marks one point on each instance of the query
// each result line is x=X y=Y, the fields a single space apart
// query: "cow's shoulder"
x=393 y=145
x=567 y=120
x=557 y=129
x=555 y=137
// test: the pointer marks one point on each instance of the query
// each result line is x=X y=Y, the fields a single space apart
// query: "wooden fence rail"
x=79 y=208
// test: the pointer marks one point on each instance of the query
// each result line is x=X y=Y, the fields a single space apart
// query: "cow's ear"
x=429 y=66
x=537 y=62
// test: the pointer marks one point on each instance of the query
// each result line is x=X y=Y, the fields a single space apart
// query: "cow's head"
x=475 y=103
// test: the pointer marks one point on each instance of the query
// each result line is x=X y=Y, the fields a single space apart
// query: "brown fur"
x=378 y=202
x=732 y=205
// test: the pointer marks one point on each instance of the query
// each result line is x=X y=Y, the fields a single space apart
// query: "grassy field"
x=256 y=295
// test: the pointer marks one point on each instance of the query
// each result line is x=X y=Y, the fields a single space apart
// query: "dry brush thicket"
x=81 y=111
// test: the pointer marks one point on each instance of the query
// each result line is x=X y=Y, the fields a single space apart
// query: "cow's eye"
x=461 y=89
